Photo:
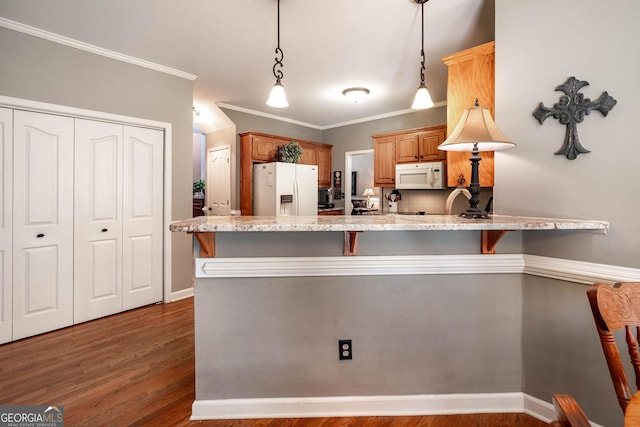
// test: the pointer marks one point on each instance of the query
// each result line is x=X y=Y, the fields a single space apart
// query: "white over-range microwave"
x=420 y=176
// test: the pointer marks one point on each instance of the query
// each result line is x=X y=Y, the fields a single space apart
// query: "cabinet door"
x=6 y=238
x=142 y=216
x=384 y=162
x=428 y=145
x=263 y=149
x=324 y=166
x=309 y=154
x=42 y=223
x=407 y=150
x=98 y=220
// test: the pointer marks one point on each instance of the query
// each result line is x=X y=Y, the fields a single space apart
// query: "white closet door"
x=142 y=216
x=6 y=183
x=42 y=223
x=98 y=220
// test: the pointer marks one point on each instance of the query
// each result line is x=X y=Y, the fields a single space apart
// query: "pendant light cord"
x=422 y=68
x=278 y=73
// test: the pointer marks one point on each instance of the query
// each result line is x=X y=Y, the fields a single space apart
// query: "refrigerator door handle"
x=296 y=198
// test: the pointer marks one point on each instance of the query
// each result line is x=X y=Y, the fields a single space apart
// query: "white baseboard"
x=181 y=294
x=354 y=406
x=350 y=406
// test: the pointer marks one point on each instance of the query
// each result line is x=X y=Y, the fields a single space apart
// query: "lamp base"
x=469 y=214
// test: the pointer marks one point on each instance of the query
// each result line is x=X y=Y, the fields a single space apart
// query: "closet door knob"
x=104 y=230
x=39 y=235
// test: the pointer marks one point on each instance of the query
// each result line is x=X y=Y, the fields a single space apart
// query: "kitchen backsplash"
x=433 y=201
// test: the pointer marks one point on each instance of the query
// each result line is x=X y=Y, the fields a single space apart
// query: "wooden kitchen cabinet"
x=471 y=75
x=258 y=147
x=416 y=147
x=384 y=161
x=309 y=153
x=324 y=165
x=406 y=146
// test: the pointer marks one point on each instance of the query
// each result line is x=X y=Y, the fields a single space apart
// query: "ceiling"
x=328 y=45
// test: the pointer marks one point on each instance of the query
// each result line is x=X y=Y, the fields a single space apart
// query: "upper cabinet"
x=471 y=76
x=406 y=146
x=263 y=148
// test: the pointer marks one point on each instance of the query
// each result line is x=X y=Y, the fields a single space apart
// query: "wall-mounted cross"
x=570 y=111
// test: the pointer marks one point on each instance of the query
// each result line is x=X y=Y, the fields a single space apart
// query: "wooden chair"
x=568 y=412
x=614 y=308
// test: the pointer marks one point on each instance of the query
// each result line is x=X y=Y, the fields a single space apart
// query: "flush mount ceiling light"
x=277 y=98
x=356 y=94
x=422 y=99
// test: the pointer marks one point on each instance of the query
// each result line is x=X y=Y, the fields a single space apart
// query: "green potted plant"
x=198 y=187
x=290 y=153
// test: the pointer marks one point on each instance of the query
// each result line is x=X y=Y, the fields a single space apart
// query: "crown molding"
x=77 y=44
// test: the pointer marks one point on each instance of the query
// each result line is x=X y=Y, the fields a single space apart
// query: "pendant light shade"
x=422 y=99
x=277 y=98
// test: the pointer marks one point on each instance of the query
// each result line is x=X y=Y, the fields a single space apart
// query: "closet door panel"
x=98 y=220
x=6 y=232
x=142 y=216
x=42 y=223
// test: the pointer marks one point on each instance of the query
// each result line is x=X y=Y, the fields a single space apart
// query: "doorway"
x=360 y=162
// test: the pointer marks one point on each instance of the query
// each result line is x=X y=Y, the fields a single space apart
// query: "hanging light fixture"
x=422 y=99
x=277 y=98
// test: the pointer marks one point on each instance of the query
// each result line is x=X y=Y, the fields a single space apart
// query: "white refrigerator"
x=285 y=189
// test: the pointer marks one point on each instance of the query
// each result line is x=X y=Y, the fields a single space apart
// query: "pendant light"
x=422 y=99
x=277 y=98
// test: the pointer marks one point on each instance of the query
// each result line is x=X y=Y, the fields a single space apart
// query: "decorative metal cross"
x=570 y=110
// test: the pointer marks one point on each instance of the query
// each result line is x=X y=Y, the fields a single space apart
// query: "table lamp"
x=476 y=131
x=368 y=192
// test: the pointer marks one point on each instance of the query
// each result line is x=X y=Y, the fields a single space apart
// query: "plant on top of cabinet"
x=290 y=153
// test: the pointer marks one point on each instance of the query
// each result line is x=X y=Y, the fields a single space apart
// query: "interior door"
x=42 y=223
x=142 y=216
x=98 y=220
x=218 y=191
x=6 y=238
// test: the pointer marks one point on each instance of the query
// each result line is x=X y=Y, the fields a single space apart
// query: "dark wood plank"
x=137 y=369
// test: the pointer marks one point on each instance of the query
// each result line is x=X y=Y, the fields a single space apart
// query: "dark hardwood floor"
x=137 y=369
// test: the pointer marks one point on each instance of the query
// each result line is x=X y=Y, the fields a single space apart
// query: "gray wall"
x=411 y=335
x=358 y=136
x=538 y=46
x=44 y=71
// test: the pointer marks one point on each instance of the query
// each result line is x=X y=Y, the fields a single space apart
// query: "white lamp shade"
x=422 y=99
x=277 y=98
x=476 y=126
x=368 y=192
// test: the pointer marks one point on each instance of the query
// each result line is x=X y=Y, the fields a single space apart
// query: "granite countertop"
x=378 y=223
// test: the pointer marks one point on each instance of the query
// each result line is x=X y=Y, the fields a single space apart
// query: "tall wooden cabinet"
x=262 y=148
x=82 y=220
x=471 y=75
x=406 y=146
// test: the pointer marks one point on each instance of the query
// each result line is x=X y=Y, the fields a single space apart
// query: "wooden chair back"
x=618 y=307
x=568 y=412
